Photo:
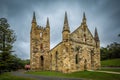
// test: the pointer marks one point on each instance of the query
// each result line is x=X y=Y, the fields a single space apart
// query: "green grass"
x=82 y=74
x=8 y=76
x=111 y=69
x=111 y=63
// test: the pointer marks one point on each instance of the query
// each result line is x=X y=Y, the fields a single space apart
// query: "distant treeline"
x=10 y=62
x=112 y=51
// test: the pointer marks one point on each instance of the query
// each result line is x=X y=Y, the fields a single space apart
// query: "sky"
x=103 y=14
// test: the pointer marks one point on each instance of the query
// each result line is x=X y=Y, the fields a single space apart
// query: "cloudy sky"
x=103 y=14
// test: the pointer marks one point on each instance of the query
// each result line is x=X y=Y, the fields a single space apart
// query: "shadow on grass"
x=80 y=74
x=8 y=76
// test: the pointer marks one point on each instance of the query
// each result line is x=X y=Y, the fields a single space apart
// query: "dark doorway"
x=42 y=61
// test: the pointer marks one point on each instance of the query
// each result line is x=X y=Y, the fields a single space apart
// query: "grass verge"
x=82 y=74
x=111 y=63
x=8 y=76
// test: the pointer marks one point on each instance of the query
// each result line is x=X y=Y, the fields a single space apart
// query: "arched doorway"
x=42 y=62
x=76 y=59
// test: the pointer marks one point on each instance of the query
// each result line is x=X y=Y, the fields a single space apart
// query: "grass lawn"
x=112 y=69
x=8 y=76
x=82 y=74
x=111 y=63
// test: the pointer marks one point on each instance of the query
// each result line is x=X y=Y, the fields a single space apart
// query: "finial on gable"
x=84 y=18
x=96 y=35
x=66 y=25
x=47 y=24
x=34 y=18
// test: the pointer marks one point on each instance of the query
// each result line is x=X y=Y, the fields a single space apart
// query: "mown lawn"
x=8 y=76
x=82 y=74
x=111 y=63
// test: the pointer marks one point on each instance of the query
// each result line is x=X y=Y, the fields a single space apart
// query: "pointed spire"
x=34 y=18
x=66 y=25
x=47 y=24
x=66 y=20
x=84 y=18
x=96 y=35
x=84 y=15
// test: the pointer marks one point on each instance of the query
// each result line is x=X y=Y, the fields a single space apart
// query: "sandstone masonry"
x=77 y=51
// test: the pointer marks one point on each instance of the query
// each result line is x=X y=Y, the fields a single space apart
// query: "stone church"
x=79 y=50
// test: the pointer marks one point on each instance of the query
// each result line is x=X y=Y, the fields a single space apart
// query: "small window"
x=40 y=34
x=56 y=56
x=41 y=46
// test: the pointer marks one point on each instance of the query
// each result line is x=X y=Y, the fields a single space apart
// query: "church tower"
x=39 y=45
x=66 y=30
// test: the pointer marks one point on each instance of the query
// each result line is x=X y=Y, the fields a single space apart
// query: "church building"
x=79 y=50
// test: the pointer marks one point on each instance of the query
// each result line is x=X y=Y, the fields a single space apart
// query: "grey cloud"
x=103 y=14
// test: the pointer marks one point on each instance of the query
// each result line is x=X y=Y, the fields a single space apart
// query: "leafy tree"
x=111 y=51
x=8 y=61
x=7 y=38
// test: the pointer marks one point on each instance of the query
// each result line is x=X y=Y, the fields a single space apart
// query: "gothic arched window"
x=76 y=59
x=56 y=57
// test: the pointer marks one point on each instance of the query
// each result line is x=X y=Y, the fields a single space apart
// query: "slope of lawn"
x=82 y=74
x=111 y=63
x=8 y=76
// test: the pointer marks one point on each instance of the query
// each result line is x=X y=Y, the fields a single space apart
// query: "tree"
x=7 y=38
x=111 y=51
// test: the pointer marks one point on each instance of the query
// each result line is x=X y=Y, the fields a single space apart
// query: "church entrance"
x=41 y=62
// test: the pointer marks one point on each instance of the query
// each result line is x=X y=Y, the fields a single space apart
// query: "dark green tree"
x=7 y=38
x=111 y=51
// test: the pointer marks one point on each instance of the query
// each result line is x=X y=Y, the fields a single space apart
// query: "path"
x=106 y=72
x=38 y=77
